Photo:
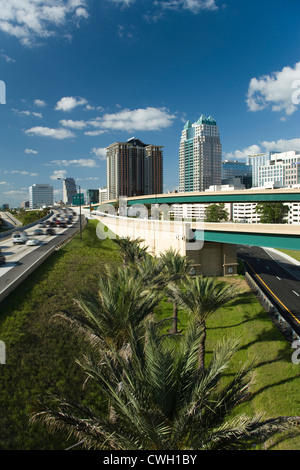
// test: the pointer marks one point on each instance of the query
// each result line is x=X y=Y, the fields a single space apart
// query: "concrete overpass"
x=246 y=195
x=213 y=249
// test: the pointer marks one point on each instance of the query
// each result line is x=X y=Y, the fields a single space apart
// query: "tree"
x=176 y=267
x=201 y=297
x=122 y=303
x=216 y=213
x=131 y=250
x=160 y=401
x=272 y=212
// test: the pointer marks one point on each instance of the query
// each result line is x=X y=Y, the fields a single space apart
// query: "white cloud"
x=29 y=20
x=81 y=12
x=6 y=57
x=195 y=6
x=241 y=154
x=30 y=151
x=73 y=124
x=147 y=119
x=281 y=145
x=68 y=103
x=48 y=132
x=40 y=103
x=28 y=113
x=83 y=162
x=100 y=152
x=23 y=172
x=275 y=91
x=58 y=174
x=94 y=133
x=14 y=192
x=124 y=2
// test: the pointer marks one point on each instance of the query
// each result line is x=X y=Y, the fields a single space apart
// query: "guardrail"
x=281 y=323
x=16 y=282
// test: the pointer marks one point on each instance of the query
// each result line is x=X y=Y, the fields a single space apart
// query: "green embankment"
x=41 y=353
x=293 y=253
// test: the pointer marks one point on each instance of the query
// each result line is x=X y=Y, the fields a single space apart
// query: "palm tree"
x=176 y=267
x=161 y=401
x=131 y=250
x=120 y=306
x=201 y=297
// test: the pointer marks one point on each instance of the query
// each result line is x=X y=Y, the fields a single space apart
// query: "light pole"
x=77 y=186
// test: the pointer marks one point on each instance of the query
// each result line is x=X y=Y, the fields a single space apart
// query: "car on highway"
x=19 y=237
x=50 y=231
x=42 y=225
x=38 y=231
x=2 y=258
x=33 y=242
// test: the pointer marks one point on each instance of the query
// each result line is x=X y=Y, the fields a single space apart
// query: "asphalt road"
x=279 y=280
x=20 y=257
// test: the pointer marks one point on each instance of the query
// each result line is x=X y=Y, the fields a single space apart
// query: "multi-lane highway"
x=21 y=257
x=279 y=280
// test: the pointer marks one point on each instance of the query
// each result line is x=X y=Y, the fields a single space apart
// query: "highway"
x=279 y=280
x=20 y=257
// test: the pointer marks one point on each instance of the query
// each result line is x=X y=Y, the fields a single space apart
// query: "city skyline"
x=82 y=74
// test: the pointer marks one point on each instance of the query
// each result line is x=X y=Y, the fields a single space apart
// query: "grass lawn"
x=275 y=391
x=41 y=353
x=293 y=253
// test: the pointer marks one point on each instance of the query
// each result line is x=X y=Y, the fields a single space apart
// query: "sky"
x=79 y=75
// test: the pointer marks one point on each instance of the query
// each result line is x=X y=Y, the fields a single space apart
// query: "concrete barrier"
x=14 y=284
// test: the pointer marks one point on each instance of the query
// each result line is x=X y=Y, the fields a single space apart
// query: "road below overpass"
x=278 y=278
x=21 y=258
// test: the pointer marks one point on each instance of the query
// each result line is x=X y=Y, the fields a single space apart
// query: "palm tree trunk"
x=201 y=351
x=174 y=329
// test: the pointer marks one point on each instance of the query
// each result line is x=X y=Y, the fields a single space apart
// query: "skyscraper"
x=40 y=195
x=134 y=169
x=69 y=190
x=200 y=155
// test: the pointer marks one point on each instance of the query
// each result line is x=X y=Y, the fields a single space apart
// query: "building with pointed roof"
x=200 y=155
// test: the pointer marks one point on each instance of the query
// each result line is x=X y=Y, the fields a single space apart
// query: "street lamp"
x=77 y=186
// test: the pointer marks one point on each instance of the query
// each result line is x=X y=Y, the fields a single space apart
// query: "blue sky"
x=82 y=74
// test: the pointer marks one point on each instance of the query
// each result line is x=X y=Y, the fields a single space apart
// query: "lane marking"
x=274 y=294
x=296 y=293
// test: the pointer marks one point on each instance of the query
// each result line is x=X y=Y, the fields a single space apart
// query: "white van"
x=19 y=237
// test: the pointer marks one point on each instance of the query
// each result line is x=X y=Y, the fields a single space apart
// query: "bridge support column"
x=214 y=259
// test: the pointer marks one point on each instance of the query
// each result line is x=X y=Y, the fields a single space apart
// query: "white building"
x=200 y=155
x=103 y=195
x=275 y=170
x=40 y=195
x=283 y=170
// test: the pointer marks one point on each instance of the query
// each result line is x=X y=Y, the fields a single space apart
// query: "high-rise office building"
x=69 y=190
x=40 y=195
x=232 y=169
x=200 y=155
x=134 y=169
